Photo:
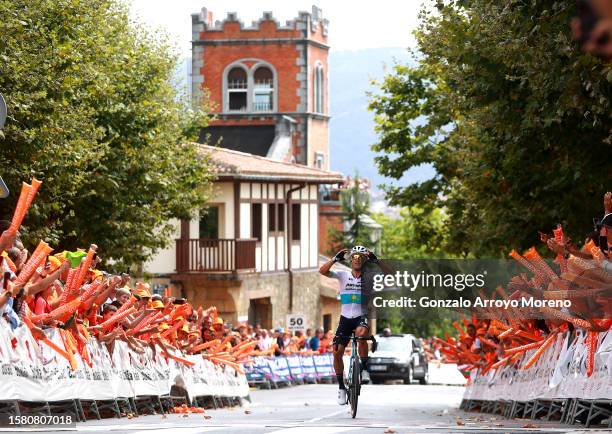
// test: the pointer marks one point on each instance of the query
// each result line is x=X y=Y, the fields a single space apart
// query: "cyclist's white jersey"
x=350 y=293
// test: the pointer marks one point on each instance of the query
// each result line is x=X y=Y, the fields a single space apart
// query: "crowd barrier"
x=294 y=369
x=557 y=386
x=299 y=369
x=33 y=372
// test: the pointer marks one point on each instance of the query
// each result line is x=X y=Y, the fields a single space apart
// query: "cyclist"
x=353 y=315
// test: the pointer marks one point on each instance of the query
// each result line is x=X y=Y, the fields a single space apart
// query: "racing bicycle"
x=354 y=372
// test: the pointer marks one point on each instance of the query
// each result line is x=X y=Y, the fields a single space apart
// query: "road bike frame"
x=354 y=372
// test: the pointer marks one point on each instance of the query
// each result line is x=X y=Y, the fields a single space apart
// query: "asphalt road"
x=313 y=409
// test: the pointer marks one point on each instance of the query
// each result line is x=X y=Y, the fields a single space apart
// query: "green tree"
x=355 y=204
x=434 y=323
x=512 y=115
x=414 y=234
x=93 y=113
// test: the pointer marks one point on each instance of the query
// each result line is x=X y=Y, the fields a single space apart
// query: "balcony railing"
x=262 y=106
x=237 y=84
x=202 y=255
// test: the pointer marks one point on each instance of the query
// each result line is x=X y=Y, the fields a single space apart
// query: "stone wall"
x=232 y=295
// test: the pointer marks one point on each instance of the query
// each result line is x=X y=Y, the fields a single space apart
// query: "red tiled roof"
x=240 y=165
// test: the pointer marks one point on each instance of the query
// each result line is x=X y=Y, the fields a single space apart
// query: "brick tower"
x=267 y=83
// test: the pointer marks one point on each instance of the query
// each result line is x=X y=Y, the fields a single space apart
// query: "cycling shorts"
x=347 y=326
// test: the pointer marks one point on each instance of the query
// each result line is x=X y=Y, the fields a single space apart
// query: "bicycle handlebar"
x=358 y=338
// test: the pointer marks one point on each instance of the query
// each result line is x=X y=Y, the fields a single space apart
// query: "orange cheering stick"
x=578 y=322
x=20 y=209
x=145 y=323
x=68 y=344
x=63 y=311
x=237 y=347
x=178 y=359
x=488 y=342
x=525 y=334
x=547 y=343
x=89 y=295
x=174 y=328
x=72 y=272
x=205 y=345
x=524 y=262
x=9 y=262
x=506 y=333
x=39 y=255
x=117 y=316
x=239 y=350
x=523 y=348
x=591 y=343
x=84 y=267
x=28 y=322
x=233 y=365
x=125 y=306
x=534 y=257
x=501 y=362
x=23 y=204
x=559 y=259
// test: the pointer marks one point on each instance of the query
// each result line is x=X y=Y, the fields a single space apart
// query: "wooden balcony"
x=203 y=255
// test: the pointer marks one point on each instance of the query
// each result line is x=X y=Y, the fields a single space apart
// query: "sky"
x=354 y=24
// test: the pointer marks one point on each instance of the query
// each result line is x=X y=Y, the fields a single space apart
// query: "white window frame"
x=230 y=90
x=251 y=89
x=263 y=91
x=319 y=158
x=319 y=89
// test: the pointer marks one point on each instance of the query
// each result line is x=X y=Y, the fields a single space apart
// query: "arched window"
x=263 y=89
x=237 y=89
x=319 y=89
x=249 y=89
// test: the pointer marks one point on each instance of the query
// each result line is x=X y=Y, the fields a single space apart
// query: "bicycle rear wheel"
x=355 y=386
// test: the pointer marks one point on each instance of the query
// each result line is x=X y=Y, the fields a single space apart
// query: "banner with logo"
x=560 y=372
x=32 y=371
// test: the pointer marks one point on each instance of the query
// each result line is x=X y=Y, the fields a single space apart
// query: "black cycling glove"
x=339 y=256
x=373 y=258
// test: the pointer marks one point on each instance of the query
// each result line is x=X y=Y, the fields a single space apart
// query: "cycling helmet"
x=359 y=249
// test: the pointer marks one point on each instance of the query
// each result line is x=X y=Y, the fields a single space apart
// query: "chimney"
x=207 y=17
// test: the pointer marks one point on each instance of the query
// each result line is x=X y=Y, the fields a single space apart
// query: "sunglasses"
x=356 y=256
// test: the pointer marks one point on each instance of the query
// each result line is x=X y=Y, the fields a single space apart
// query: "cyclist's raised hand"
x=340 y=255
x=372 y=257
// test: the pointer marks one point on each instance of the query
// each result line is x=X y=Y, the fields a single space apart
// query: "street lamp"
x=4 y=191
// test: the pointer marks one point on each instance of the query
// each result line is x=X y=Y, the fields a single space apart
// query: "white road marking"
x=176 y=430
x=146 y=429
x=316 y=419
x=319 y=430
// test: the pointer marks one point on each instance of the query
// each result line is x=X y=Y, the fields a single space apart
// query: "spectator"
x=264 y=340
x=316 y=339
x=280 y=342
x=325 y=344
x=307 y=338
x=597 y=37
x=300 y=340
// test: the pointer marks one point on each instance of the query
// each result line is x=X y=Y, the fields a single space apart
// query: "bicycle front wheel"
x=355 y=386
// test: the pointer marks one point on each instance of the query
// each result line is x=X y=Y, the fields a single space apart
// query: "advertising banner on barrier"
x=559 y=373
x=290 y=368
x=32 y=371
x=324 y=365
